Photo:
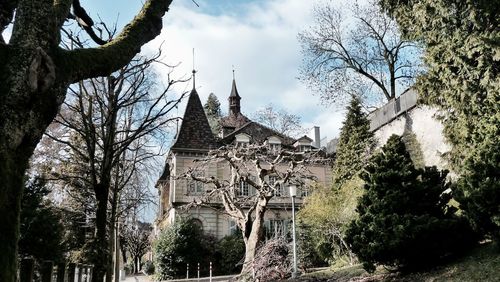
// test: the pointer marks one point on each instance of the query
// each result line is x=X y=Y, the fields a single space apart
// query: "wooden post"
x=26 y=273
x=71 y=272
x=47 y=267
x=61 y=272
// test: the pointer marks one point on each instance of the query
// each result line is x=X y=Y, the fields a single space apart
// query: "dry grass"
x=481 y=264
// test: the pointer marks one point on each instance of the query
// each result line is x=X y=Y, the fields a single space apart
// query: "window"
x=279 y=190
x=276 y=228
x=245 y=188
x=304 y=192
x=242 y=140
x=233 y=227
x=196 y=187
x=304 y=148
x=274 y=144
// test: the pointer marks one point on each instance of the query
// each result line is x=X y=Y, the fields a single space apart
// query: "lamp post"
x=293 y=194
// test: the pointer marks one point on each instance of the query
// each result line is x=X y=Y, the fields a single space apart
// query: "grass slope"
x=481 y=264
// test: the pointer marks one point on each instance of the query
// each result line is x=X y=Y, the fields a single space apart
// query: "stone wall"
x=409 y=117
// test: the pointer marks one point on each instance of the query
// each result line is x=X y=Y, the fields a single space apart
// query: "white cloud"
x=261 y=43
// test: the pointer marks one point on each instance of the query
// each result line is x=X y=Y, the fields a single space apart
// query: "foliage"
x=213 y=112
x=324 y=218
x=135 y=239
x=148 y=267
x=404 y=218
x=229 y=254
x=41 y=229
x=180 y=244
x=462 y=57
x=279 y=120
x=356 y=52
x=355 y=143
x=273 y=260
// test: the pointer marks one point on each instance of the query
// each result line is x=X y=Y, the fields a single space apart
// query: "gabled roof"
x=195 y=132
x=259 y=133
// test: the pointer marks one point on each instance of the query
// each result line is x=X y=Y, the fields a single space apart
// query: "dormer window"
x=303 y=144
x=274 y=144
x=242 y=139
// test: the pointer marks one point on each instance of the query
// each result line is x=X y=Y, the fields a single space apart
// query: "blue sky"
x=258 y=37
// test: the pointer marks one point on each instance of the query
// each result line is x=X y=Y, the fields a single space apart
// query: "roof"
x=258 y=132
x=195 y=132
x=234 y=120
x=234 y=91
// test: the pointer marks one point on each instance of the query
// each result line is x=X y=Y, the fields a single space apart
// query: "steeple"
x=234 y=99
x=195 y=132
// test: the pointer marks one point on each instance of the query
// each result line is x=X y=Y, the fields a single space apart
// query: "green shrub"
x=229 y=254
x=148 y=267
x=180 y=244
x=404 y=217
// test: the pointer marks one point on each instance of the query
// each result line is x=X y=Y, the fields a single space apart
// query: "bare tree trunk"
x=254 y=237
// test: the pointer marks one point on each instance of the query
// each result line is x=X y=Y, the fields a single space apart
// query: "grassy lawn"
x=481 y=264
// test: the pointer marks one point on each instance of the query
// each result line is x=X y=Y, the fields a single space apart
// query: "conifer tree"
x=404 y=218
x=355 y=143
x=213 y=112
x=462 y=58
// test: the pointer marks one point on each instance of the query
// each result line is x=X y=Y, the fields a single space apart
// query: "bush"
x=229 y=254
x=404 y=217
x=180 y=244
x=148 y=267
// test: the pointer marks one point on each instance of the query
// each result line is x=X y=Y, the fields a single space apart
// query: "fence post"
x=187 y=272
x=47 y=271
x=210 y=271
x=198 y=271
x=61 y=271
x=71 y=272
x=26 y=273
x=79 y=272
x=91 y=269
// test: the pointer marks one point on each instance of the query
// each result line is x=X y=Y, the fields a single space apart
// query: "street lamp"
x=293 y=194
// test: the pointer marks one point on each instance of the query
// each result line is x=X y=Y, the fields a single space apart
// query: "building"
x=194 y=140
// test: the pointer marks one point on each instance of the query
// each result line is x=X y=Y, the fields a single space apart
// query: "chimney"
x=317 y=140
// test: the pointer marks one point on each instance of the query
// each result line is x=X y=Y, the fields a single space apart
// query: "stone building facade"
x=195 y=139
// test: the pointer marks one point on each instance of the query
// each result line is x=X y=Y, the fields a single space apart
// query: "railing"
x=62 y=272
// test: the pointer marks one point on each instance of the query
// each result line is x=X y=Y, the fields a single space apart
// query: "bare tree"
x=356 y=52
x=251 y=164
x=36 y=73
x=279 y=120
x=115 y=118
x=136 y=239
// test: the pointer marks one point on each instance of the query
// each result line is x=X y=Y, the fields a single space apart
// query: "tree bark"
x=254 y=237
x=34 y=76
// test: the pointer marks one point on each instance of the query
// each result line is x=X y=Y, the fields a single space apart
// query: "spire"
x=194 y=73
x=234 y=99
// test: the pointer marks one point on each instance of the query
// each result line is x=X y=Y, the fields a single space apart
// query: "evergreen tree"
x=404 y=217
x=355 y=143
x=41 y=228
x=462 y=57
x=213 y=112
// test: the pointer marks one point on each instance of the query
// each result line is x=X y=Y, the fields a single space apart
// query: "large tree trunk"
x=100 y=261
x=254 y=237
x=11 y=176
x=34 y=76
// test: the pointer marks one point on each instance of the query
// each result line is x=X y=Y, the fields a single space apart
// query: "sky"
x=258 y=38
